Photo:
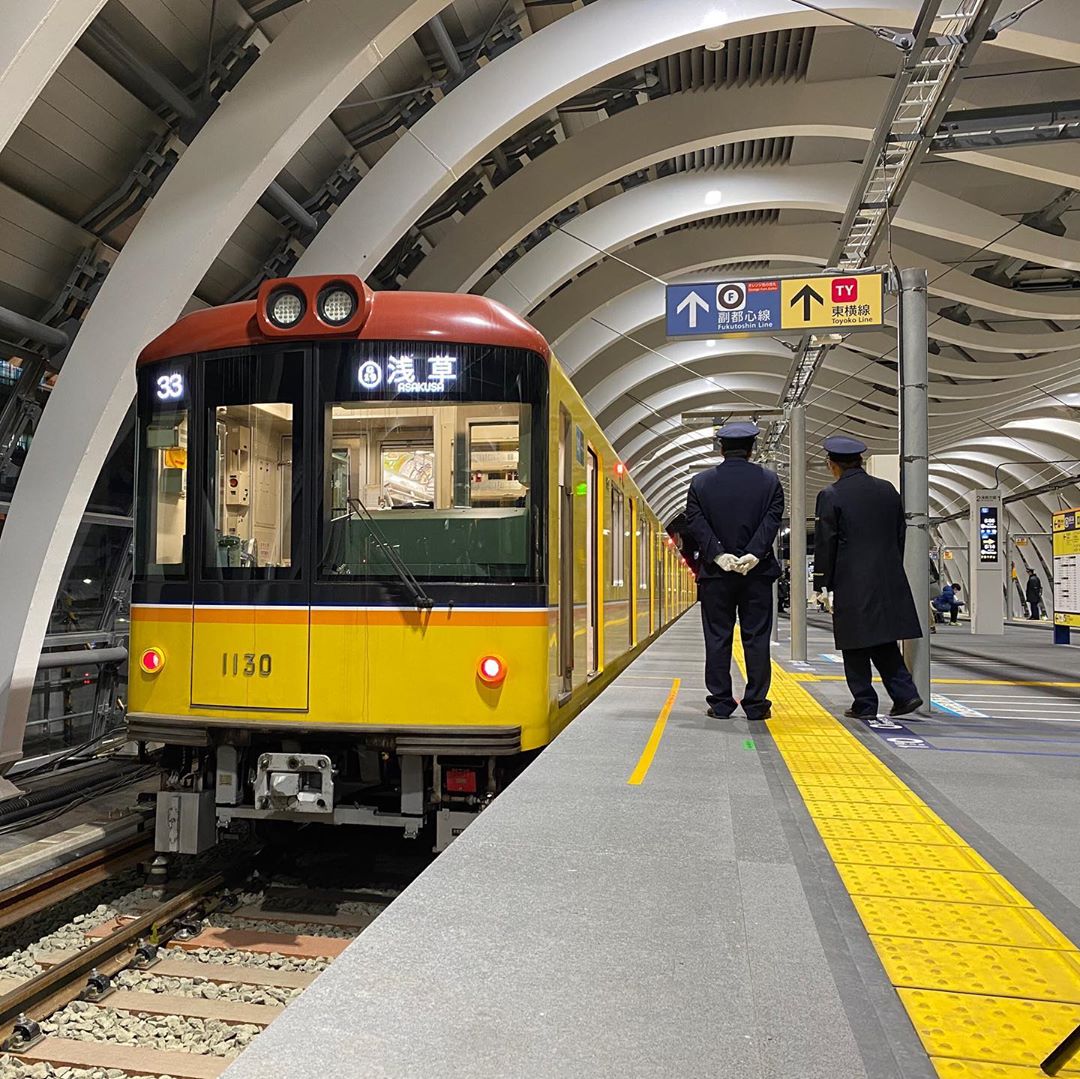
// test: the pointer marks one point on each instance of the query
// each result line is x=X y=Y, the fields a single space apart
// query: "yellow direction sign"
x=833 y=302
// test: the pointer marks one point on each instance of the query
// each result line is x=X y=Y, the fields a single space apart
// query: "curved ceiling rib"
x=37 y=35
x=581 y=50
x=321 y=55
x=635 y=139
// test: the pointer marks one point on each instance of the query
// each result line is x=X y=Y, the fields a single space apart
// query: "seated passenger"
x=949 y=603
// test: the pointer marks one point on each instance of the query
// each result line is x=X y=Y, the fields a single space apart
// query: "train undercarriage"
x=427 y=783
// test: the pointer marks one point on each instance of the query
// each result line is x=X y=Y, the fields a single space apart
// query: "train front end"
x=340 y=610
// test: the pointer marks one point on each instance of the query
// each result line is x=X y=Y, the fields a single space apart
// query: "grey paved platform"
x=689 y=926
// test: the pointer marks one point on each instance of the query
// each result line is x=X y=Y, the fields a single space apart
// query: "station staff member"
x=859 y=557
x=733 y=513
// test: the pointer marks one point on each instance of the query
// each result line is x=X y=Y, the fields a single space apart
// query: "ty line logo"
x=845 y=290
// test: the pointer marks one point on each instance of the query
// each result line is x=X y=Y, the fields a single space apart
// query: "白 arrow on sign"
x=694 y=302
x=807 y=295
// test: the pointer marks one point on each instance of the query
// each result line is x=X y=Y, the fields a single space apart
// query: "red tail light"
x=491 y=671
x=152 y=660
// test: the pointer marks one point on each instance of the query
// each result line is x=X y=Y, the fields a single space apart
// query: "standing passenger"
x=733 y=513
x=1034 y=594
x=859 y=557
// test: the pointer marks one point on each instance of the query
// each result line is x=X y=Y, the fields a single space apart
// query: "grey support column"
x=914 y=453
x=797 y=536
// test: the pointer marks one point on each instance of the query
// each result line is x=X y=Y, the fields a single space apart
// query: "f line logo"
x=730 y=296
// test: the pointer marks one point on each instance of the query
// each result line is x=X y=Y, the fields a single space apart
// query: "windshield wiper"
x=420 y=597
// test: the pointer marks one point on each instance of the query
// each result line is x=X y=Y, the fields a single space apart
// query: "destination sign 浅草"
x=769 y=305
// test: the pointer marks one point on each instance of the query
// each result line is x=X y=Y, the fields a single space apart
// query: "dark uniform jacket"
x=735 y=509
x=859 y=556
x=1033 y=590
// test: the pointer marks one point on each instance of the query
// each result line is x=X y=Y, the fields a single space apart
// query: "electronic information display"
x=1066 y=531
x=988 y=534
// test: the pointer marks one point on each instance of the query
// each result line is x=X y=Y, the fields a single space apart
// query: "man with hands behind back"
x=733 y=513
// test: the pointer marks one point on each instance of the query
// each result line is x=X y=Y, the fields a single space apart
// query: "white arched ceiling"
x=632 y=140
x=305 y=72
x=36 y=36
x=692 y=196
x=579 y=51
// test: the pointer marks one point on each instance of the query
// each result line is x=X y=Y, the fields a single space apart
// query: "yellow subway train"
x=383 y=554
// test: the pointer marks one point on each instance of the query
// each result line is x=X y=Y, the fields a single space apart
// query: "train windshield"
x=434 y=460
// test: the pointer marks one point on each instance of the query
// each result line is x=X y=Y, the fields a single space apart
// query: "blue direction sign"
x=727 y=307
x=767 y=305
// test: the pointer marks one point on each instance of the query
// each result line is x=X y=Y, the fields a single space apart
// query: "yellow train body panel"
x=347 y=666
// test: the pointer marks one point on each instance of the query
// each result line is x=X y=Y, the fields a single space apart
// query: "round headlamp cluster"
x=285 y=307
x=337 y=304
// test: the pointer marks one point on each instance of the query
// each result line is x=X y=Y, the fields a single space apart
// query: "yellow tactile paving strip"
x=991 y=986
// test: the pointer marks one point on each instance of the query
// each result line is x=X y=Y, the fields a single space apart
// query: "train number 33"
x=246 y=664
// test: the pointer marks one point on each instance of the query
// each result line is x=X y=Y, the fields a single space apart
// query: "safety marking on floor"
x=810 y=676
x=955 y=708
x=897 y=734
x=647 y=754
x=991 y=985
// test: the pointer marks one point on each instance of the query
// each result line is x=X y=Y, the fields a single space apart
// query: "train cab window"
x=161 y=528
x=433 y=458
x=444 y=484
x=253 y=415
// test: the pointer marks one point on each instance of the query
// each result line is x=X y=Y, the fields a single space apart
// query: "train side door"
x=251 y=619
x=592 y=559
x=566 y=551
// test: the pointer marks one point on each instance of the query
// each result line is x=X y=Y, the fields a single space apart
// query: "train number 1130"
x=246 y=664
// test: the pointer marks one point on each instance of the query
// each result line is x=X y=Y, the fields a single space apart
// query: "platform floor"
x=810 y=897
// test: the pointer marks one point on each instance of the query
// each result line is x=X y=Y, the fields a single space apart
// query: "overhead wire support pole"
x=914 y=465
x=797 y=535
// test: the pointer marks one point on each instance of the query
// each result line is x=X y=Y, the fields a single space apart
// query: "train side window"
x=162 y=527
x=618 y=545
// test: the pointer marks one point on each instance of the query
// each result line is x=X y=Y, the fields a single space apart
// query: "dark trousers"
x=889 y=662
x=1034 y=606
x=749 y=599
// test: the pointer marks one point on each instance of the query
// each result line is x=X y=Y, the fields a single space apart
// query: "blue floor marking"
x=895 y=733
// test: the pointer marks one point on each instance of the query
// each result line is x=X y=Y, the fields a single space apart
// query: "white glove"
x=745 y=564
x=727 y=562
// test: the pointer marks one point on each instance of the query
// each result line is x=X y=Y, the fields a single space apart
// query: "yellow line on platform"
x=802 y=677
x=649 y=751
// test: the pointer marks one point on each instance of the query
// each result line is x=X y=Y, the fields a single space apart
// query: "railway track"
x=179 y=986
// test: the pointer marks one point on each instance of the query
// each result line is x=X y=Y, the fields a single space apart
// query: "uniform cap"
x=844 y=446
x=738 y=430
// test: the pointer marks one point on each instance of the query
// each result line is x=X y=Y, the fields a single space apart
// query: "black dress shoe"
x=718 y=715
x=905 y=708
x=767 y=714
x=852 y=714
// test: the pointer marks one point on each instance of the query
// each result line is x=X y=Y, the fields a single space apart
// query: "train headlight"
x=152 y=660
x=285 y=307
x=491 y=671
x=337 y=304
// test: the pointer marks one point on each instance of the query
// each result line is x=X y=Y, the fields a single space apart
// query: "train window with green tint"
x=442 y=484
x=161 y=526
x=434 y=462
